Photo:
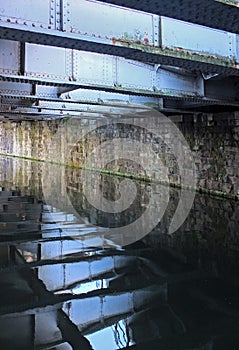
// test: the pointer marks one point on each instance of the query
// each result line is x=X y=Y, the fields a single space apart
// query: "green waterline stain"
x=202 y=190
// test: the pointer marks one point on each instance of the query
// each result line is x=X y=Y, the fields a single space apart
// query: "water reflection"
x=64 y=286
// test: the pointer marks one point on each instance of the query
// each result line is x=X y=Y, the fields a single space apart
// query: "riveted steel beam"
x=36 y=74
x=96 y=71
x=75 y=97
x=213 y=96
x=99 y=27
x=93 y=104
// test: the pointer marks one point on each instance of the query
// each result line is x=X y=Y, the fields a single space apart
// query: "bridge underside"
x=70 y=57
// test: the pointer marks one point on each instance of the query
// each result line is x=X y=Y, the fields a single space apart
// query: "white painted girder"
x=145 y=38
x=99 y=27
x=59 y=66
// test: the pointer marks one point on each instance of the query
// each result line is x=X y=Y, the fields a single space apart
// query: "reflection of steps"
x=90 y=312
x=40 y=330
x=56 y=223
x=18 y=214
x=107 y=309
x=67 y=275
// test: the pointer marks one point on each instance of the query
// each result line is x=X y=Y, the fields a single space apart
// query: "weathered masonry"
x=213 y=139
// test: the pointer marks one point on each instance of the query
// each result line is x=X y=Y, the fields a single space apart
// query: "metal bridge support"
x=65 y=45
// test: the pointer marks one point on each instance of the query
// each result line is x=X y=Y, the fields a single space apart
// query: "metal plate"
x=134 y=74
x=9 y=57
x=93 y=68
x=92 y=18
x=28 y=11
x=46 y=61
x=169 y=81
x=193 y=37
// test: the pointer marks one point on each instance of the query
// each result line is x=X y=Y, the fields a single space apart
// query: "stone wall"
x=213 y=139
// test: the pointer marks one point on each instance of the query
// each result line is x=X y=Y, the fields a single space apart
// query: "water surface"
x=66 y=284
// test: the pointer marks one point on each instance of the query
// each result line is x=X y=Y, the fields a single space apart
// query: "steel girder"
x=98 y=27
x=36 y=65
x=146 y=47
x=28 y=74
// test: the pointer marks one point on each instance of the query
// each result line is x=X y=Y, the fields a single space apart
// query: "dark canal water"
x=67 y=284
